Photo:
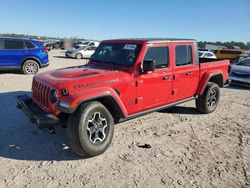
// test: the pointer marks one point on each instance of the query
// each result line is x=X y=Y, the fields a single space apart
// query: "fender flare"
x=93 y=94
x=204 y=80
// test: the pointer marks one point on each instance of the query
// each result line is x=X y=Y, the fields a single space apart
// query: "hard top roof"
x=155 y=40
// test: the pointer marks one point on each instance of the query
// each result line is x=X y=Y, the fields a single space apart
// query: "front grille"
x=240 y=83
x=40 y=94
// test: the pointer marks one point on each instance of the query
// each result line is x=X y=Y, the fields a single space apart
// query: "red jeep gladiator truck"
x=123 y=79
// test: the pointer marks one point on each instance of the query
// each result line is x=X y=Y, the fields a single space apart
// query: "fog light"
x=53 y=96
x=64 y=104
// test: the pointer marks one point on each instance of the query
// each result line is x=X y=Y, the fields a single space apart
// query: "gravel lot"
x=187 y=149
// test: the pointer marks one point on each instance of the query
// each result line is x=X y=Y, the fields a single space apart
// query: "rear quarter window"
x=29 y=45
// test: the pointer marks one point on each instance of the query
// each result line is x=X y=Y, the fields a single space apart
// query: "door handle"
x=189 y=73
x=167 y=77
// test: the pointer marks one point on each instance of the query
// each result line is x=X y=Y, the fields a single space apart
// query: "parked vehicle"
x=124 y=79
x=231 y=54
x=240 y=74
x=51 y=43
x=25 y=54
x=207 y=54
x=87 y=43
x=243 y=56
x=81 y=52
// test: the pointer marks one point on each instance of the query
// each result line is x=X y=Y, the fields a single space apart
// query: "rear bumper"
x=45 y=64
x=35 y=114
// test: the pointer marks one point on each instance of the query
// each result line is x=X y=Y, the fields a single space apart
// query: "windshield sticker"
x=129 y=47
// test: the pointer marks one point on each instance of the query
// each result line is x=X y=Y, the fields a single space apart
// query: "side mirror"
x=148 y=65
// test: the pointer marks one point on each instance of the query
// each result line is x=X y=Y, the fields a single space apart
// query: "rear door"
x=185 y=71
x=14 y=52
x=154 y=88
x=2 y=55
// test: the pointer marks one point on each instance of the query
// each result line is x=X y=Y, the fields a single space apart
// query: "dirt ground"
x=187 y=149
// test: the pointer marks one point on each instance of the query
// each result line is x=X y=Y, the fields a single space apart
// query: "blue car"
x=27 y=55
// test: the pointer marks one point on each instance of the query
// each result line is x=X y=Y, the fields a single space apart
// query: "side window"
x=1 y=44
x=29 y=45
x=183 y=55
x=13 y=45
x=159 y=54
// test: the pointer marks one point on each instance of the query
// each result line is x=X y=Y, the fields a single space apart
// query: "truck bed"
x=215 y=66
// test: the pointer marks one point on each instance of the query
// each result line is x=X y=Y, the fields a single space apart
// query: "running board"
x=156 y=109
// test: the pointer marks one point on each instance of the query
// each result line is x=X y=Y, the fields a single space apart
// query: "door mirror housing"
x=148 y=65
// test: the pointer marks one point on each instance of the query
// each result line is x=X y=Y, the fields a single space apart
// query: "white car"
x=87 y=43
x=207 y=54
x=81 y=52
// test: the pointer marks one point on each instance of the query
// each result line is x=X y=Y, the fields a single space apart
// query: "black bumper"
x=227 y=83
x=35 y=114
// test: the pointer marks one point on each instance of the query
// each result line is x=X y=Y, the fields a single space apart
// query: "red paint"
x=134 y=91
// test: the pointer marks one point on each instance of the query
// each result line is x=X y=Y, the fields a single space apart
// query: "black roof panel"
x=156 y=40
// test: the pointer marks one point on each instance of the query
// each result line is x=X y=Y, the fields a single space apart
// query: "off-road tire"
x=79 y=136
x=30 y=67
x=203 y=102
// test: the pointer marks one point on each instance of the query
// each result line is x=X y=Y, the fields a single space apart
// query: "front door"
x=154 y=88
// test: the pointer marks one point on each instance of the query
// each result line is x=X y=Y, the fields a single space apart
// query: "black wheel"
x=208 y=101
x=30 y=67
x=79 y=56
x=90 y=129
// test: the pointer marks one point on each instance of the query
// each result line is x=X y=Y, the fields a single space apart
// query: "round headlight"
x=53 y=96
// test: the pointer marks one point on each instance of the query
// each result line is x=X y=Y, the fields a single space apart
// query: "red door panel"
x=154 y=89
x=185 y=71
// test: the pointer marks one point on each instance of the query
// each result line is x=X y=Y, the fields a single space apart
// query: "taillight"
x=45 y=49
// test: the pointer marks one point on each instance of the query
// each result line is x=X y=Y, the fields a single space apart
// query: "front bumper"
x=35 y=114
x=69 y=55
x=240 y=81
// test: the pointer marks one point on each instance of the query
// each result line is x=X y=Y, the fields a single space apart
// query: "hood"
x=81 y=77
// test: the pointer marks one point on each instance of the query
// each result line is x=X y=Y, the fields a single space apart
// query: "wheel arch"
x=216 y=77
x=110 y=103
x=31 y=58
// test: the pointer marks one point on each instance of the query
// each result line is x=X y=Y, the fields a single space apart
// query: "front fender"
x=204 y=80
x=76 y=99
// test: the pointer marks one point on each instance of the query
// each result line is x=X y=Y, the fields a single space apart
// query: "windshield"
x=200 y=54
x=245 y=62
x=123 y=54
